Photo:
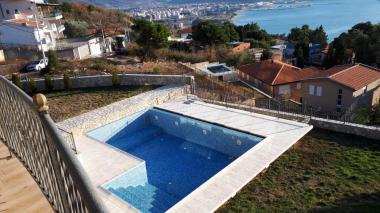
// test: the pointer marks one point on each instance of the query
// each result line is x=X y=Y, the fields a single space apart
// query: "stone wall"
x=106 y=81
x=104 y=115
x=347 y=128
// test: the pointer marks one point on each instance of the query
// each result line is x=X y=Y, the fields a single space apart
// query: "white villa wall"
x=94 y=45
x=21 y=5
x=13 y=34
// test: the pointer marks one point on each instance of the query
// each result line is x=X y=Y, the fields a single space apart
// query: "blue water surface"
x=179 y=154
x=336 y=16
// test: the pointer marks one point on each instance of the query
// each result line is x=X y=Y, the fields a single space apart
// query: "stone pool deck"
x=103 y=162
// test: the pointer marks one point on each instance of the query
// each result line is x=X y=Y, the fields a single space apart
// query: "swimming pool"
x=178 y=155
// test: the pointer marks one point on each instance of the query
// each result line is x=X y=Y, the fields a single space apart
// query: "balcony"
x=53 y=16
x=61 y=28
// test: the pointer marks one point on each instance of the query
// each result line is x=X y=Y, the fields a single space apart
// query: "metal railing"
x=69 y=138
x=32 y=136
x=220 y=93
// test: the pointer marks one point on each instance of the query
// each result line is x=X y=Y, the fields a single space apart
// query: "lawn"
x=324 y=172
x=64 y=104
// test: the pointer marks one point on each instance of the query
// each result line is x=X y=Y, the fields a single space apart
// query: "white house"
x=30 y=23
x=80 y=48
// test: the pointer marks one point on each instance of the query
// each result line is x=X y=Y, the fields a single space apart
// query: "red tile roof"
x=274 y=72
x=26 y=22
x=185 y=31
x=354 y=76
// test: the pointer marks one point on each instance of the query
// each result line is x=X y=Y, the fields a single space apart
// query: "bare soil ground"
x=64 y=105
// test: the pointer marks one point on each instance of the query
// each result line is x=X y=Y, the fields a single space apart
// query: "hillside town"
x=178 y=109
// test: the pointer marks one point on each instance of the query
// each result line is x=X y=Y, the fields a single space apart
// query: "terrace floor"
x=18 y=190
x=103 y=162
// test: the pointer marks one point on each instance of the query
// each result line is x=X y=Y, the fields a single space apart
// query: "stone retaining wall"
x=104 y=115
x=106 y=81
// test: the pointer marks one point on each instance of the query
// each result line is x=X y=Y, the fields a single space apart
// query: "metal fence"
x=33 y=137
x=221 y=93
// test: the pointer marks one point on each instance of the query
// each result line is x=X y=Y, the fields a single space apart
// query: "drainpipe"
x=38 y=32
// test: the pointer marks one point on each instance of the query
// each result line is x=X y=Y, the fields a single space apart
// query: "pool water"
x=218 y=69
x=179 y=154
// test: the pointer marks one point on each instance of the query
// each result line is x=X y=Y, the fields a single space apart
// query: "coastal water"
x=336 y=16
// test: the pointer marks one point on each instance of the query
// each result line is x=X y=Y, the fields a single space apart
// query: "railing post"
x=42 y=107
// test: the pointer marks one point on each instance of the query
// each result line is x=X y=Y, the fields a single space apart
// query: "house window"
x=319 y=91
x=339 y=97
x=311 y=89
x=301 y=100
x=298 y=85
x=284 y=89
x=8 y=12
x=16 y=11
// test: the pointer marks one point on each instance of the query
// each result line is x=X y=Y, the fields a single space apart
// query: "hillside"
x=92 y=19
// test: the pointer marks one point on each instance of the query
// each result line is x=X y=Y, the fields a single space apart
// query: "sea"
x=336 y=16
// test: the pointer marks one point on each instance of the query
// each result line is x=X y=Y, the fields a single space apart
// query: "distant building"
x=275 y=78
x=81 y=48
x=257 y=53
x=185 y=33
x=214 y=70
x=239 y=47
x=30 y=23
x=342 y=87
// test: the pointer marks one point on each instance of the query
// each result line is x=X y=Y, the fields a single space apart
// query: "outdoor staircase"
x=147 y=198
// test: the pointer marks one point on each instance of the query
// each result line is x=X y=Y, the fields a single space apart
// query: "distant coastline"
x=335 y=16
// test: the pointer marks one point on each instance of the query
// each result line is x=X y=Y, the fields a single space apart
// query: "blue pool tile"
x=179 y=154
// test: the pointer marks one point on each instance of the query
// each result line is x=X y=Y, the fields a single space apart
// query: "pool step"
x=147 y=198
x=135 y=138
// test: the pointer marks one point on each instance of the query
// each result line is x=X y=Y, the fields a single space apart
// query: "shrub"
x=115 y=80
x=67 y=82
x=267 y=54
x=33 y=85
x=49 y=83
x=156 y=70
x=53 y=60
x=75 y=29
x=17 y=80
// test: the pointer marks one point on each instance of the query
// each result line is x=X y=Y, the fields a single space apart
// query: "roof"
x=185 y=31
x=25 y=22
x=354 y=76
x=275 y=72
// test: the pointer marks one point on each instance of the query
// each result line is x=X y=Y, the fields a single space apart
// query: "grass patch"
x=324 y=172
x=64 y=105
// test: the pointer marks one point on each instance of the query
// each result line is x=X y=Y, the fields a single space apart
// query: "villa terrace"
x=288 y=131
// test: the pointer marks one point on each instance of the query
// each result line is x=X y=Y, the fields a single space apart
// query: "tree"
x=66 y=7
x=267 y=54
x=150 y=36
x=301 y=38
x=53 y=61
x=231 y=31
x=319 y=36
x=361 y=41
x=75 y=29
x=210 y=34
x=252 y=31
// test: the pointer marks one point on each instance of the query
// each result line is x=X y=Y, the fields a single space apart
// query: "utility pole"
x=38 y=31
x=104 y=39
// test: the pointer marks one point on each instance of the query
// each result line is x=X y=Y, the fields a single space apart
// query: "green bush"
x=17 y=80
x=75 y=29
x=53 y=60
x=49 y=83
x=156 y=70
x=33 y=85
x=68 y=84
x=115 y=80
